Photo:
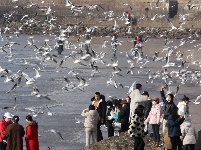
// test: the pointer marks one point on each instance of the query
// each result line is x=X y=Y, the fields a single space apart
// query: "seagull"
x=116 y=70
x=36 y=114
x=31 y=42
x=14 y=106
x=37 y=74
x=57 y=132
x=115 y=62
x=7 y=78
x=94 y=69
x=154 y=17
x=13 y=88
x=69 y=85
x=125 y=4
x=82 y=83
x=112 y=82
x=115 y=25
x=35 y=91
x=78 y=121
x=173 y=27
x=48 y=56
x=196 y=100
x=168 y=64
x=68 y=3
x=104 y=44
x=131 y=88
x=29 y=80
x=177 y=91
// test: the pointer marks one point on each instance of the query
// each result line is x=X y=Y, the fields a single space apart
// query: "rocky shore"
x=122 y=142
x=101 y=31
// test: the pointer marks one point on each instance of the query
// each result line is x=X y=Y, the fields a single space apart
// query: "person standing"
x=31 y=137
x=147 y=105
x=136 y=128
x=3 y=125
x=91 y=120
x=166 y=138
x=136 y=98
x=138 y=45
x=154 y=119
x=169 y=105
x=15 y=133
x=188 y=136
x=124 y=115
x=110 y=128
x=101 y=107
x=183 y=108
x=174 y=131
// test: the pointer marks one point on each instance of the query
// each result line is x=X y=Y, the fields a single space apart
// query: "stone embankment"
x=122 y=142
x=148 y=18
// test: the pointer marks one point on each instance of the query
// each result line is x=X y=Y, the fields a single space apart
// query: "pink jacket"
x=154 y=115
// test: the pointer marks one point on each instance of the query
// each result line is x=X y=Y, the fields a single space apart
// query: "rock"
x=122 y=142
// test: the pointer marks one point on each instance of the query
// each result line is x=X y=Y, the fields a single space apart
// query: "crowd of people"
x=136 y=113
x=12 y=133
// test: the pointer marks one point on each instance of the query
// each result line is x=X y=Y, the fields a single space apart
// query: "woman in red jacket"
x=31 y=137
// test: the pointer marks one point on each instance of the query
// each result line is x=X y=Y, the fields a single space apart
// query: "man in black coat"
x=147 y=106
x=168 y=107
x=124 y=115
x=101 y=107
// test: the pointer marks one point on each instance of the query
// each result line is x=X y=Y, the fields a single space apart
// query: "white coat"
x=188 y=133
x=183 y=109
x=136 y=99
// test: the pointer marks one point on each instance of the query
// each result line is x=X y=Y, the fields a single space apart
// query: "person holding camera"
x=91 y=120
x=3 y=125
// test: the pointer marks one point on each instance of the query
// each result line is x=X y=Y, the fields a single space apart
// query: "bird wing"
x=14 y=87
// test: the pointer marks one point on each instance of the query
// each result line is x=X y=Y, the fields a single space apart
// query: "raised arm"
x=163 y=95
x=139 y=97
x=85 y=113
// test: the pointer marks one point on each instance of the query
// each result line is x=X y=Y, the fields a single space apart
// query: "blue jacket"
x=174 y=123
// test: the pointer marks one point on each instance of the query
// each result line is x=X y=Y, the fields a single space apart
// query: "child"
x=91 y=121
